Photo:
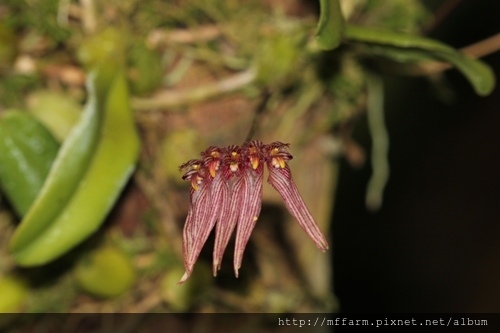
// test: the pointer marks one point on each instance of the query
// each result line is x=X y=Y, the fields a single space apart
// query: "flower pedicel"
x=226 y=193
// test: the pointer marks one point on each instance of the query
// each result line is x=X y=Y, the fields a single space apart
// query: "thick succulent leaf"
x=27 y=150
x=112 y=161
x=68 y=169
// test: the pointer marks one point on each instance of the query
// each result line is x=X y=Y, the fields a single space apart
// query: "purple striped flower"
x=280 y=177
x=226 y=193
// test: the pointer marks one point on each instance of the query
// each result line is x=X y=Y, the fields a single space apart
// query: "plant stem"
x=380 y=143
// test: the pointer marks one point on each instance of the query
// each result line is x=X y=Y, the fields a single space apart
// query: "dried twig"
x=484 y=47
x=89 y=21
x=161 y=37
x=169 y=99
x=477 y=50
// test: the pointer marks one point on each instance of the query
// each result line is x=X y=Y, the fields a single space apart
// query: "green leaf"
x=330 y=28
x=27 y=150
x=69 y=167
x=409 y=48
x=53 y=227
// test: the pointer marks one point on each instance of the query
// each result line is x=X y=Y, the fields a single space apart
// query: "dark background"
x=435 y=244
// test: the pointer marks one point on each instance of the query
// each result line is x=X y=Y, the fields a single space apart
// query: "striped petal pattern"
x=226 y=194
x=236 y=195
x=252 y=180
x=280 y=178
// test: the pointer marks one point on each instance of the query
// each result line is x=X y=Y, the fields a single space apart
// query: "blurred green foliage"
x=179 y=56
x=14 y=294
x=27 y=150
x=37 y=15
x=105 y=272
x=399 y=15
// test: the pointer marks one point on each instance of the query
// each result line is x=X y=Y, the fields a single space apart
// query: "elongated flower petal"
x=231 y=170
x=227 y=221
x=280 y=178
x=202 y=214
x=197 y=227
x=252 y=179
x=226 y=193
x=194 y=175
x=252 y=189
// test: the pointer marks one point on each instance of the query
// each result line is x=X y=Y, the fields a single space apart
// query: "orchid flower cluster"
x=226 y=192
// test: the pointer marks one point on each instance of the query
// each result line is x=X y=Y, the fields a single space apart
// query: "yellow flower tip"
x=278 y=162
x=254 y=161
x=211 y=160
x=253 y=154
x=281 y=162
x=195 y=181
x=212 y=168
